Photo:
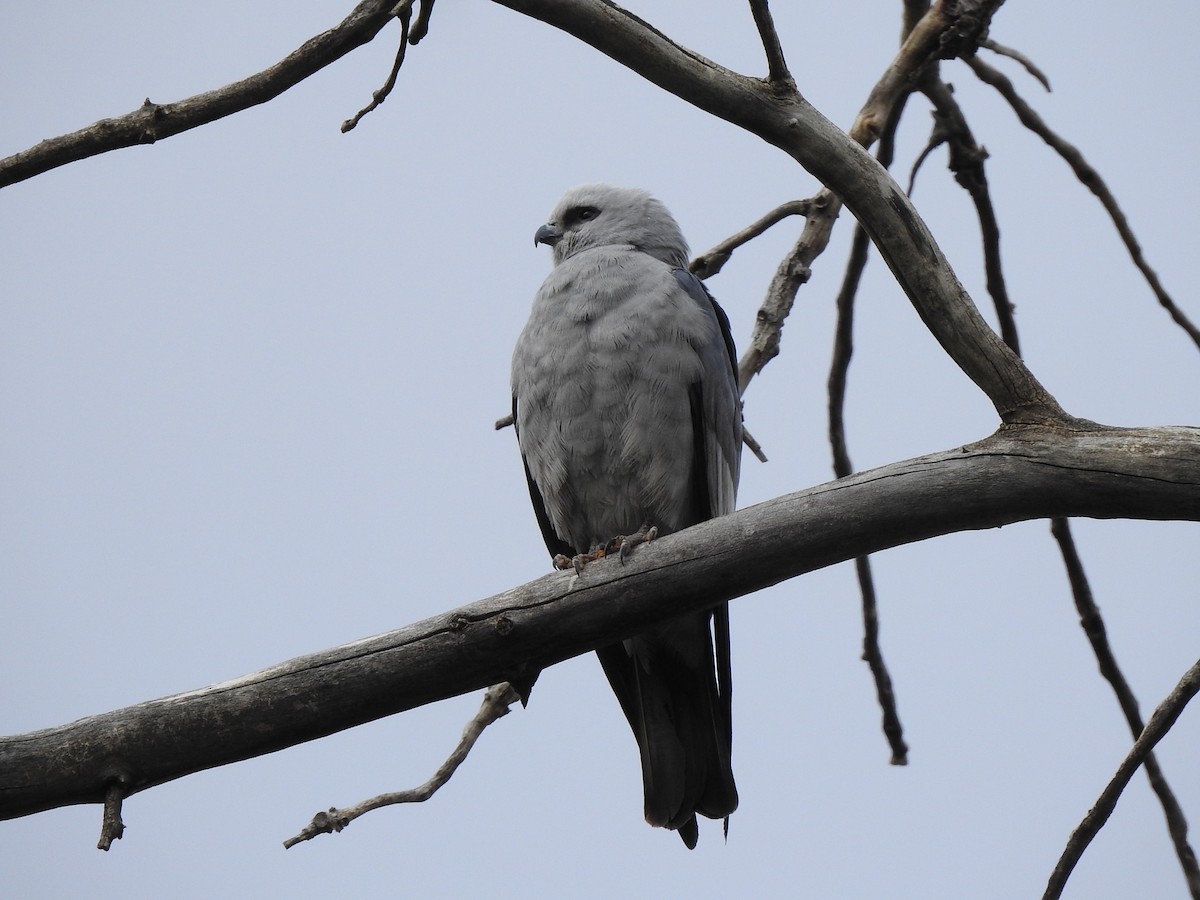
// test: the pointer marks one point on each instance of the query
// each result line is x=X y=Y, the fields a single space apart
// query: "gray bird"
x=627 y=412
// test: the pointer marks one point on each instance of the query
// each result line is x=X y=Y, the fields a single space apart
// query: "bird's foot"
x=622 y=545
x=564 y=562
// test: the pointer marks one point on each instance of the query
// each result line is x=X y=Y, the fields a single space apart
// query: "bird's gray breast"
x=602 y=374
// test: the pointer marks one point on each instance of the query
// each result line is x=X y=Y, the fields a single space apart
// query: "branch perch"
x=1017 y=474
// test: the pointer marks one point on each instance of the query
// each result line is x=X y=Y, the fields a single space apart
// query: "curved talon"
x=643 y=535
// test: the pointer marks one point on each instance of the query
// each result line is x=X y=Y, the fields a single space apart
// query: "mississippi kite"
x=627 y=412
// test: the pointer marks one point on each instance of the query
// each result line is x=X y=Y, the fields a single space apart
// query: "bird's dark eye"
x=585 y=213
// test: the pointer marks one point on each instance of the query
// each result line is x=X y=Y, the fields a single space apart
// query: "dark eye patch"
x=581 y=214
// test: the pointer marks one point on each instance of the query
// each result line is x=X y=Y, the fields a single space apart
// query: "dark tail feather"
x=667 y=686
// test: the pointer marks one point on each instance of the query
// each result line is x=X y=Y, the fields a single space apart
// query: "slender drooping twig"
x=966 y=162
x=496 y=704
x=843 y=350
x=403 y=12
x=1158 y=726
x=1092 y=181
x=1097 y=634
x=1020 y=57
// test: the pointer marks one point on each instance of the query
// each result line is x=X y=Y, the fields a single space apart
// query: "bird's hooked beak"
x=548 y=234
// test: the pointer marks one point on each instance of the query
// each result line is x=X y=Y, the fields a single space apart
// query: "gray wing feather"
x=721 y=408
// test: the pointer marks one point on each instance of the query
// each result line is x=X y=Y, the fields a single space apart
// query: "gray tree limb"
x=1019 y=473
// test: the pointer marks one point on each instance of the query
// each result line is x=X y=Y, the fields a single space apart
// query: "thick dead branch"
x=497 y=702
x=1156 y=729
x=1092 y=181
x=154 y=121
x=1017 y=474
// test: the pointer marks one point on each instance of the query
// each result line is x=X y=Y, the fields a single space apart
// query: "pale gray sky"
x=247 y=384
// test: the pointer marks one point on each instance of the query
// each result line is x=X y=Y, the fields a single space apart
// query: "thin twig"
x=937 y=137
x=403 y=12
x=1020 y=57
x=496 y=703
x=966 y=162
x=1093 y=627
x=1092 y=180
x=777 y=70
x=843 y=350
x=1158 y=726
x=711 y=262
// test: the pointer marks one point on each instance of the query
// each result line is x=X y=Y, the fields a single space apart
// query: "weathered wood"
x=1018 y=474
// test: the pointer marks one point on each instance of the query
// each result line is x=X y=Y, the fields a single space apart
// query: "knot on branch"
x=970 y=20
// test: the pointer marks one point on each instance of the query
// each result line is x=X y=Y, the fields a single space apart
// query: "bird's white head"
x=600 y=215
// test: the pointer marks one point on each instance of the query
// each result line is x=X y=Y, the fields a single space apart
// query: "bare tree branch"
x=154 y=121
x=793 y=271
x=403 y=12
x=1158 y=726
x=497 y=702
x=1092 y=181
x=1020 y=57
x=966 y=162
x=1097 y=634
x=1021 y=472
x=776 y=65
x=711 y=262
x=839 y=368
